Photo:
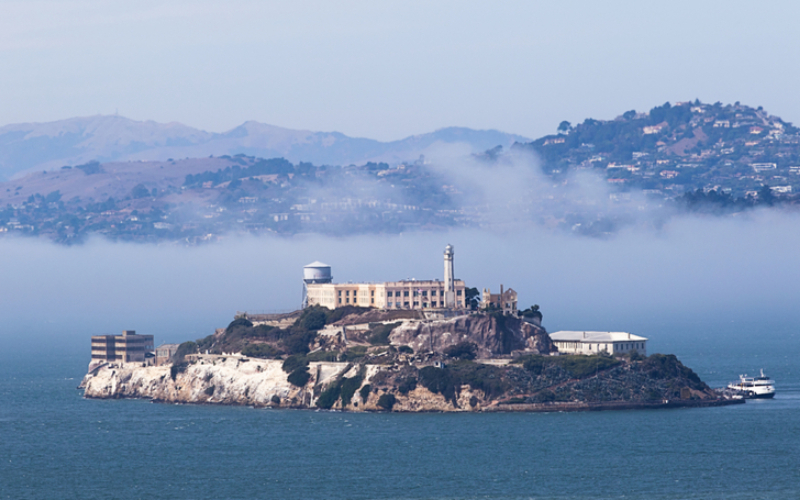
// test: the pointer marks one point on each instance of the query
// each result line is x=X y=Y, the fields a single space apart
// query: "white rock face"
x=237 y=380
x=211 y=379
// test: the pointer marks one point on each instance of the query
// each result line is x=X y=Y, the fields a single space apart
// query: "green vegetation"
x=387 y=401
x=666 y=366
x=350 y=386
x=447 y=381
x=185 y=348
x=576 y=366
x=364 y=392
x=406 y=385
x=329 y=397
x=355 y=353
x=532 y=312
x=292 y=363
x=177 y=368
x=462 y=350
x=380 y=332
x=322 y=356
x=299 y=377
x=264 y=351
x=472 y=297
x=343 y=389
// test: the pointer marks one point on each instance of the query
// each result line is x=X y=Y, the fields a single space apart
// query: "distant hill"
x=47 y=146
x=672 y=149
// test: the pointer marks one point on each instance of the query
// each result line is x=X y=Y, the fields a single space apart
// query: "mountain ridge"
x=26 y=147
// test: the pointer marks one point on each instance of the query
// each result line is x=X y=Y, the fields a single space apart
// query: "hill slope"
x=44 y=146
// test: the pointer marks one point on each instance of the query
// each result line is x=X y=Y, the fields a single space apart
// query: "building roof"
x=317 y=263
x=595 y=336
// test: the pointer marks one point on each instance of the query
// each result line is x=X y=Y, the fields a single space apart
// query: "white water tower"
x=316 y=272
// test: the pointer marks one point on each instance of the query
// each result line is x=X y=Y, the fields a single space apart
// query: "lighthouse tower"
x=449 y=286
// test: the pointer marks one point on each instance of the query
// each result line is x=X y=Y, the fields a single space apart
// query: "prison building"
x=128 y=347
x=406 y=294
x=589 y=343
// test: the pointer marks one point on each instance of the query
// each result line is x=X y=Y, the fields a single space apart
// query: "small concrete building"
x=164 y=353
x=589 y=343
x=125 y=348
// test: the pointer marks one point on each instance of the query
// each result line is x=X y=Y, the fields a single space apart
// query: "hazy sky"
x=388 y=69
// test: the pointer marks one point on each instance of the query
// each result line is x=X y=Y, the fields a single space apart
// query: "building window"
x=433 y=293
x=388 y=294
x=458 y=293
x=347 y=300
x=424 y=293
x=372 y=293
x=340 y=300
x=416 y=304
x=340 y=293
x=416 y=293
x=373 y=301
x=405 y=294
x=405 y=304
x=424 y=304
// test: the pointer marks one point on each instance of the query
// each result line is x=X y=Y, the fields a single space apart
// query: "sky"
x=389 y=69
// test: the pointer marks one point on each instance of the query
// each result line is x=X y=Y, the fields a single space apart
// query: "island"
x=358 y=359
x=409 y=345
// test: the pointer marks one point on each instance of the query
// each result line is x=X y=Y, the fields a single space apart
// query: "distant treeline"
x=260 y=167
x=716 y=200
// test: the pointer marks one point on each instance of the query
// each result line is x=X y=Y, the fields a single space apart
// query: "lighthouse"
x=449 y=285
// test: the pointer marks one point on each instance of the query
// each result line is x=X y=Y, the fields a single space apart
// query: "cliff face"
x=235 y=380
x=493 y=334
x=539 y=381
x=211 y=379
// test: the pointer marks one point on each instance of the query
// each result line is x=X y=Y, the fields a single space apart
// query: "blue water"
x=57 y=445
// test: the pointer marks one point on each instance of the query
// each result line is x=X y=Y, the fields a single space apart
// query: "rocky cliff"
x=493 y=334
x=531 y=383
x=237 y=380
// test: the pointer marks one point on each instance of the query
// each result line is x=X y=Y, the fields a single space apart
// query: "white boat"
x=754 y=387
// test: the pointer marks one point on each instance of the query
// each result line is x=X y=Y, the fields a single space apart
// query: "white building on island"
x=319 y=289
x=612 y=343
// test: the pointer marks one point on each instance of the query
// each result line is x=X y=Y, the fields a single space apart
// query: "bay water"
x=56 y=445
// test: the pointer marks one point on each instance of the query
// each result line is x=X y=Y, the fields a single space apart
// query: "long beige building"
x=319 y=289
x=408 y=294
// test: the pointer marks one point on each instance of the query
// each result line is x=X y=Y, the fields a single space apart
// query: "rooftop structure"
x=164 y=353
x=577 y=342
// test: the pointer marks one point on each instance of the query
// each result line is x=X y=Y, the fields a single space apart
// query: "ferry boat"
x=754 y=387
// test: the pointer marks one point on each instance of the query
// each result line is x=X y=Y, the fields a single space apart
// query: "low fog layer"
x=715 y=268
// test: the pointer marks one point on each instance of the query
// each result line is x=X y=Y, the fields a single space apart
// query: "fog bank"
x=710 y=268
